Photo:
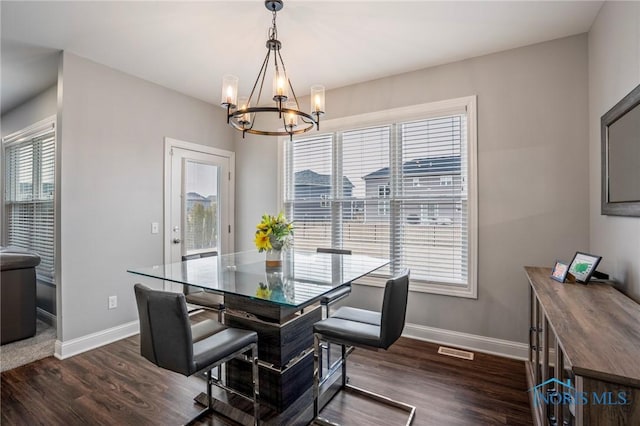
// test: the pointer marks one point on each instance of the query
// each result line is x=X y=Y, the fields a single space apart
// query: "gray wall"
x=256 y=184
x=614 y=70
x=35 y=109
x=532 y=168
x=111 y=186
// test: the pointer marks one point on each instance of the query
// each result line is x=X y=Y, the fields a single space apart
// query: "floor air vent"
x=457 y=353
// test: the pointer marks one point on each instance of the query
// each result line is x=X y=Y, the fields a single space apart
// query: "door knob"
x=176 y=241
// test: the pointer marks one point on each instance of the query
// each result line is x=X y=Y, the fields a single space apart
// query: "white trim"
x=418 y=286
x=34 y=130
x=412 y=112
x=170 y=143
x=473 y=342
x=82 y=344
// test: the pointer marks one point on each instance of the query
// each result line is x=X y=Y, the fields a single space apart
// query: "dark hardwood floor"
x=114 y=385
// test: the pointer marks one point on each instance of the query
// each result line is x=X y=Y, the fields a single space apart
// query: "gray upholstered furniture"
x=363 y=329
x=167 y=340
x=17 y=293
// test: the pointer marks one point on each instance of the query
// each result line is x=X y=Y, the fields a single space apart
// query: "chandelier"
x=243 y=112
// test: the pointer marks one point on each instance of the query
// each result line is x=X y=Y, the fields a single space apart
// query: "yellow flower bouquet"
x=273 y=233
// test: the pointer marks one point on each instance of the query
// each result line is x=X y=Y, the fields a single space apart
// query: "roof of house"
x=422 y=167
x=309 y=177
x=193 y=196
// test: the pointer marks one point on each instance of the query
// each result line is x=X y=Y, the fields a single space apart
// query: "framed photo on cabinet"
x=560 y=271
x=583 y=266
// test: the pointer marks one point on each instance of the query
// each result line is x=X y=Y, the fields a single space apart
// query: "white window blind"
x=29 y=198
x=398 y=190
x=431 y=227
x=366 y=226
x=308 y=190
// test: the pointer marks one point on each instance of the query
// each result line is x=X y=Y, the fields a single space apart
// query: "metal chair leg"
x=327 y=345
x=219 y=370
x=344 y=365
x=316 y=374
x=256 y=385
x=209 y=408
x=209 y=385
x=410 y=409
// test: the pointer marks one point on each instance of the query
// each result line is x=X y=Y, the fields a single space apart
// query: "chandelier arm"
x=284 y=69
x=263 y=72
x=284 y=125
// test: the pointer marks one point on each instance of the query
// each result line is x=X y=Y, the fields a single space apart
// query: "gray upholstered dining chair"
x=167 y=340
x=202 y=298
x=361 y=328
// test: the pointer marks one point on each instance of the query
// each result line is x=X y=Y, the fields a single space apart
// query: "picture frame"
x=560 y=271
x=583 y=266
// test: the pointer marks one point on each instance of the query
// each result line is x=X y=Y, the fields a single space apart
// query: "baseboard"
x=46 y=317
x=489 y=345
x=76 y=346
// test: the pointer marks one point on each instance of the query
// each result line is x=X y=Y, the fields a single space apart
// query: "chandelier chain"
x=274 y=29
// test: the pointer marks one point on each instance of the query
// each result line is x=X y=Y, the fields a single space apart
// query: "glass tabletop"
x=303 y=277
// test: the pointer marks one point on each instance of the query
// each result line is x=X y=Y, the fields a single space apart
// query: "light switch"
x=154 y=228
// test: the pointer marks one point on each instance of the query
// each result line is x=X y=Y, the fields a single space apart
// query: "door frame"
x=170 y=143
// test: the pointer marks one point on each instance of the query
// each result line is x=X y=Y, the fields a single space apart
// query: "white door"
x=199 y=207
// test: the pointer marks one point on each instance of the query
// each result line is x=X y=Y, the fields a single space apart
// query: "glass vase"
x=274 y=258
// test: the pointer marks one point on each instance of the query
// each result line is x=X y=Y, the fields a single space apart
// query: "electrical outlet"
x=113 y=302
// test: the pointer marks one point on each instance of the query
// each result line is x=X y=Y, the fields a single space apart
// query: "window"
x=429 y=212
x=29 y=194
x=400 y=187
x=446 y=180
x=383 y=205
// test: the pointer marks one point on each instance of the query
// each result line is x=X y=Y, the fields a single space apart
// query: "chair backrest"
x=332 y=250
x=394 y=308
x=199 y=255
x=165 y=329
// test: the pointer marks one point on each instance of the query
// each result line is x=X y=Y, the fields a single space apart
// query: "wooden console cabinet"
x=588 y=338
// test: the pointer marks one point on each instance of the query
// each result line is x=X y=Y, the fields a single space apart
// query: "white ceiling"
x=189 y=46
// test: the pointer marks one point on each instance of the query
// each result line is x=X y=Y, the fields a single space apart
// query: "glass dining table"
x=280 y=303
x=303 y=278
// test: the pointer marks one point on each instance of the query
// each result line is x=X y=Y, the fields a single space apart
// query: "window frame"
x=404 y=114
